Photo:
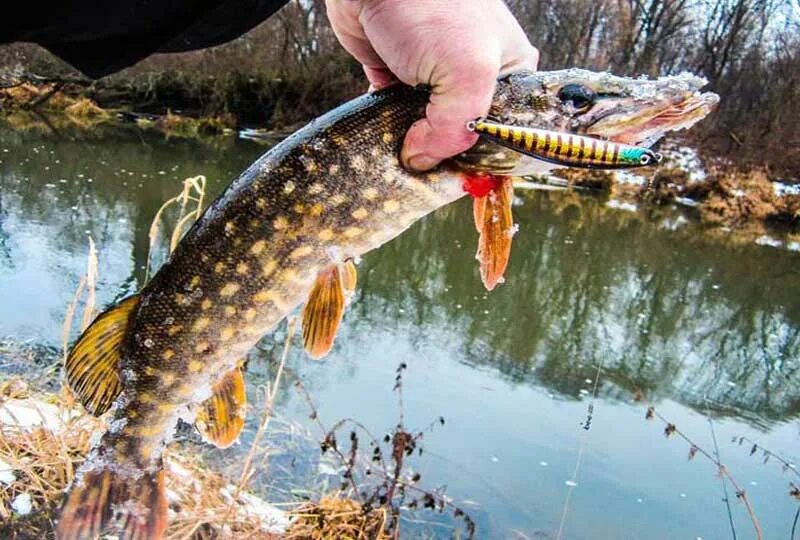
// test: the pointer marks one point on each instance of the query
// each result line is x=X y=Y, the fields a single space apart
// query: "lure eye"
x=645 y=159
x=580 y=96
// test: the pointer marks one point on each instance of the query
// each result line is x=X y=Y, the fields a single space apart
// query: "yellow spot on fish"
x=145 y=450
x=145 y=397
x=352 y=232
x=206 y=304
x=195 y=366
x=280 y=223
x=369 y=193
x=299 y=208
x=174 y=329
x=150 y=430
x=333 y=169
x=289 y=275
x=202 y=347
x=249 y=314
x=180 y=298
x=219 y=267
x=230 y=311
x=268 y=268
x=361 y=213
x=149 y=370
x=201 y=324
x=325 y=234
x=288 y=187
x=387 y=137
x=167 y=378
x=310 y=165
x=391 y=206
x=194 y=282
x=262 y=296
x=316 y=209
x=242 y=268
x=337 y=199
x=227 y=333
x=261 y=203
x=258 y=247
x=230 y=227
x=358 y=163
x=169 y=353
x=166 y=408
x=339 y=140
x=301 y=252
x=316 y=187
x=229 y=289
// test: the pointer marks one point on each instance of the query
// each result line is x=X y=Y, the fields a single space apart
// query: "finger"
x=464 y=94
x=379 y=77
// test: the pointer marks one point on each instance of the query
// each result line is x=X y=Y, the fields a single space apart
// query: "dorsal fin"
x=323 y=312
x=220 y=418
x=92 y=364
x=495 y=224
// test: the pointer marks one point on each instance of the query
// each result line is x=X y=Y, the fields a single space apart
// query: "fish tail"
x=128 y=500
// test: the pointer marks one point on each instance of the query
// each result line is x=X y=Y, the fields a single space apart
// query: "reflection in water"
x=690 y=322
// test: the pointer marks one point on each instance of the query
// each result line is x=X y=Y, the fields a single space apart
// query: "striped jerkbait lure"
x=566 y=149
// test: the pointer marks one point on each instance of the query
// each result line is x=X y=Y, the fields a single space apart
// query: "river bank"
x=748 y=202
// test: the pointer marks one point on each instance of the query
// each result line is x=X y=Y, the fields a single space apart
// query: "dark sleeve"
x=99 y=37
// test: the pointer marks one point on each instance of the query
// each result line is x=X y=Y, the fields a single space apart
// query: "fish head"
x=635 y=111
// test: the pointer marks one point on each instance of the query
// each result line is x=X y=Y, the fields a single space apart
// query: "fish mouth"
x=639 y=123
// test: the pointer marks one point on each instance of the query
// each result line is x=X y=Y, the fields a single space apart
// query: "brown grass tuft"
x=86 y=109
x=735 y=198
x=336 y=517
x=44 y=439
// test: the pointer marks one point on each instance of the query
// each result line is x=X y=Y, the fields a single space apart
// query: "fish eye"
x=579 y=95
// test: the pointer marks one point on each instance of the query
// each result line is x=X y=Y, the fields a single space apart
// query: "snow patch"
x=765 y=240
x=622 y=205
x=22 y=504
x=781 y=189
x=7 y=475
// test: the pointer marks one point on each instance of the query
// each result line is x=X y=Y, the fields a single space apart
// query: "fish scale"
x=331 y=192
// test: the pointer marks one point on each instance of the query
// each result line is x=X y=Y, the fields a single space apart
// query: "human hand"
x=457 y=47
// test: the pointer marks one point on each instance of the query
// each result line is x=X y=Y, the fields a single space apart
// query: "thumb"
x=462 y=95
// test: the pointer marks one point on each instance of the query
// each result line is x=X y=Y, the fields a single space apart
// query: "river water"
x=707 y=330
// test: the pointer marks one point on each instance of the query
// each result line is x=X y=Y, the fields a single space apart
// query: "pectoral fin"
x=92 y=364
x=324 y=310
x=220 y=418
x=349 y=277
x=495 y=225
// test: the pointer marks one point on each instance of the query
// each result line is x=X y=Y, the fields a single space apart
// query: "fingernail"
x=421 y=162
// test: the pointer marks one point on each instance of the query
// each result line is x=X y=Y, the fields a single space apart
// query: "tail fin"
x=134 y=506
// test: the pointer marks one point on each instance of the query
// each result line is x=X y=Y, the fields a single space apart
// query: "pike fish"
x=285 y=233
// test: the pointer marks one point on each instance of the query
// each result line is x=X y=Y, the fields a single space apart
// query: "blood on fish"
x=480 y=184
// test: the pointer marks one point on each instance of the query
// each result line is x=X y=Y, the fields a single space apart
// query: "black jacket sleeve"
x=99 y=37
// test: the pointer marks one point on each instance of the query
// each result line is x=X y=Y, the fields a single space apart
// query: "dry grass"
x=336 y=517
x=735 y=198
x=85 y=109
x=45 y=447
x=190 y=200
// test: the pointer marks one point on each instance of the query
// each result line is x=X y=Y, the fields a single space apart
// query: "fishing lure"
x=565 y=148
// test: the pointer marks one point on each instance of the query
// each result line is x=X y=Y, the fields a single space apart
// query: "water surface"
x=708 y=331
